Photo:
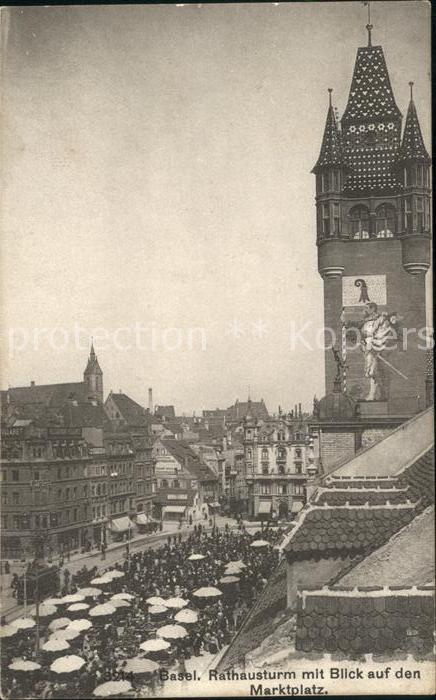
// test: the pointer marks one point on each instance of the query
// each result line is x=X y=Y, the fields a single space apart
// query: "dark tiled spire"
x=330 y=154
x=412 y=146
x=92 y=365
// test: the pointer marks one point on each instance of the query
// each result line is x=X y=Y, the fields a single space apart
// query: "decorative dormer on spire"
x=93 y=377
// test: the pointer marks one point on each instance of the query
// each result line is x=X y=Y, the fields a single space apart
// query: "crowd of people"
x=164 y=572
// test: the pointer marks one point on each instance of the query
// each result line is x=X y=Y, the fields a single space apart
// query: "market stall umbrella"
x=52 y=601
x=155 y=645
x=111 y=688
x=196 y=557
x=102 y=610
x=118 y=604
x=90 y=592
x=226 y=580
x=55 y=645
x=47 y=610
x=67 y=664
x=78 y=607
x=155 y=600
x=69 y=633
x=72 y=598
x=239 y=563
x=157 y=610
x=23 y=623
x=189 y=617
x=177 y=603
x=80 y=625
x=100 y=581
x=8 y=631
x=260 y=543
x=138 y=665
x=123 y=596
x=172 y=632
x=25 y=666
x=232 y=570
x=207 y=592
x=59 y=624
x=114 y=573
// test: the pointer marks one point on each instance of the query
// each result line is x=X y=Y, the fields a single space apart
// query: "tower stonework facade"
x=93 y=377
x=373 y=239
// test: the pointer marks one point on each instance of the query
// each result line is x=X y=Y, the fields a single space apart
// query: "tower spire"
x=412 y=146
x=411 y=89
x=330 y=154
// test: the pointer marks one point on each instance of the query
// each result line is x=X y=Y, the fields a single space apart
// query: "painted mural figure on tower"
x=377 y=330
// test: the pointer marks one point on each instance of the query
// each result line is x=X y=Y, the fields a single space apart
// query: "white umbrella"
x=23 y=623
x=155 y=645
x=59 y=623
x=232 y=570
x=139 y=665
x=23 y=665
x=54 y=645
x=8 y=631
x=117 y=603
x=176 y=603
x=90 y=592
x=80 y=625
x=52 y=601
x=229 y=579
x=106 y=690
x=157 y=609
x=196 y=557
x=101 y=610
x=78 y=607
x=260 y=543
x=207 y=592
x=123 y=596
x=69 y=633
x=72 y=598
x=172 y=632
x=47 y=610
x=67 y=664
x=114 y=573
x=186 y=616
x=155 y=600
x=100 y=581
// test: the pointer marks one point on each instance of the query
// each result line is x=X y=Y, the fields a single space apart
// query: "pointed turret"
x=412 y=146
x=93 y=376
x=330 y=154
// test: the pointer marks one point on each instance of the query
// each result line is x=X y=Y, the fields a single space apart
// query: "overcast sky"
x=156 y=165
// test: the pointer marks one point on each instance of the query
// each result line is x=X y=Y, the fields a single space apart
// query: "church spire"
x=412 y=145
x=330 y=154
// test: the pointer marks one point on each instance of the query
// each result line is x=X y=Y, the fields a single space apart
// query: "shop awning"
x=174 y=509
x=265 y=507
x=142 y=519
x=296 y=506
x=121 y=524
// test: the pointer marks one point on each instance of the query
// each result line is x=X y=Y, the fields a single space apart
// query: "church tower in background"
x=93 y=377
x=373 y=239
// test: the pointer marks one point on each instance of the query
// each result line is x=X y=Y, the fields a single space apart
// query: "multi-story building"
x=276 y=454
x=120 y=461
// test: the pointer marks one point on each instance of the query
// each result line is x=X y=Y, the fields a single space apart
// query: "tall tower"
x=93 y=377
x=373 y=238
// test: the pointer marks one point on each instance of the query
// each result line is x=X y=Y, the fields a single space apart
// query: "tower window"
x=420 y=175
x=336 y=219
x=324 y=182
x=408 y=221
x=325 y=220
x=359 y=222
x=420 y=213
x=385 y=221
x=336 y=180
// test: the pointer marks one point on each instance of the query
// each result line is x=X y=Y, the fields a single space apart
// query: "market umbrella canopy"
x=23 y=623
x=67 y=664
x=59 y=624
x=8 y=631
x=176 y=603
x=207 y=592
x=123 y=596
x=172 y=632
x=229 y=579
x=90 y=592
x=47 y=610
x=111 y=688
x=52 y=601
x=196 y=557
x=55 y=645
x=155 y=645
x=232 y=570
x=69 y=633
x=260 y=543
x=117 y=603
x=239 y=563
x=157 y=610
x=155 y=600
x=78 y=607
x=80 y=625
x=23 y=665
x=72 y=598
x=186 y=616
x=113 y=573
x=100 y=581
x=101 y=610
x=140 y=665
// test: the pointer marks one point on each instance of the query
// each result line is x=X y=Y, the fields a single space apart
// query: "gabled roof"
x=84 y=415
x=188 y=458
x=131 y=412
x=330 y=154
x=165 y=411
x=50 y=395
x=412 y=146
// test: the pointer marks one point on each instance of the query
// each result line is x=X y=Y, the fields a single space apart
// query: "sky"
x=157 y=192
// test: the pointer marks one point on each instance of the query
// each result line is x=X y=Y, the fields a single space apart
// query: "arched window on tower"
x=385 y=221
x=359 y=222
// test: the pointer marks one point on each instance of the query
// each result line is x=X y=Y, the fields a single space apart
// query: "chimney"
x=32 y=383
x=299 y=410
x=295 y=411
x=150 y=400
